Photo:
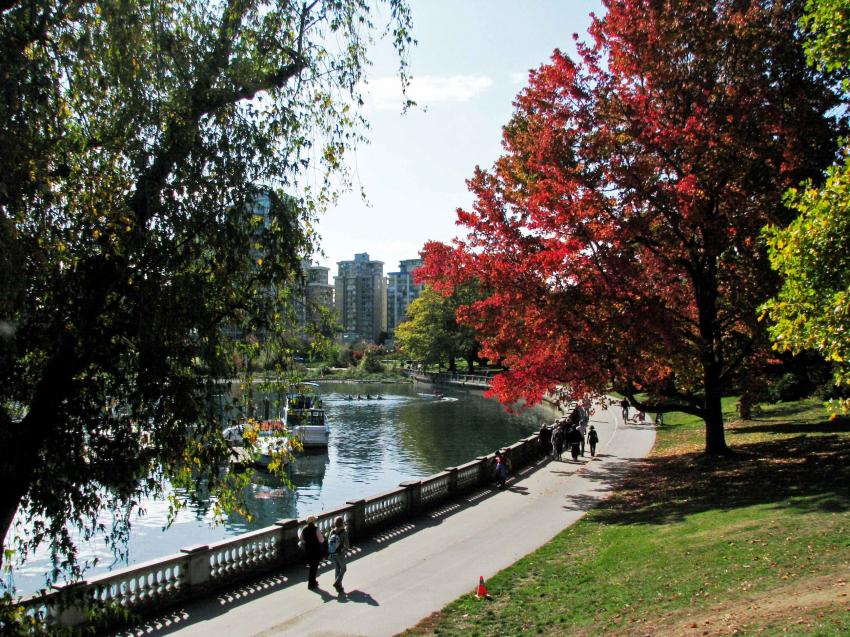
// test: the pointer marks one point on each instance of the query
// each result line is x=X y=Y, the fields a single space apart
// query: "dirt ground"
x=801 y=602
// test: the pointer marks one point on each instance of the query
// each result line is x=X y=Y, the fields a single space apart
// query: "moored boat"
x=305 y=417
x=303 y=420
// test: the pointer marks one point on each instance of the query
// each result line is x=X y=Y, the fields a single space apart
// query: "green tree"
x=431 y=333
x=145 y=149
x=812 y=309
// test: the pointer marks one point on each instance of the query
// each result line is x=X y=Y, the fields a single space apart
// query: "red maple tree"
x=618 y=237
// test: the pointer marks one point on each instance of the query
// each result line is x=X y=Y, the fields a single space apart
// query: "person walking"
x=337 y=546
x=313 y=540
x=545 y=438
x=574 y=442
x=558 y=440
x=625 y=405
x=501 y=470
x=592 y=440
x=581 y=428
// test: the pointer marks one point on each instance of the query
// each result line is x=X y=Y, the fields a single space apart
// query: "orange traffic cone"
x=482 y=590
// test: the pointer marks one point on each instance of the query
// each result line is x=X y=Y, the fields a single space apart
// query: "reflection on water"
x=401 y=432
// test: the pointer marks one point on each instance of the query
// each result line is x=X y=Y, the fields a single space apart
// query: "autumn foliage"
x=618 y=235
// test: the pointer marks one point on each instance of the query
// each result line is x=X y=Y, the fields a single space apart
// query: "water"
x=374 y=445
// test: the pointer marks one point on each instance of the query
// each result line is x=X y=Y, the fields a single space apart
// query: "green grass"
x=758 y=543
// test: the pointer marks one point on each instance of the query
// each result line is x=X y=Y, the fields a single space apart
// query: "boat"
x=305 y=417
x=272 y=438
x=303 y=420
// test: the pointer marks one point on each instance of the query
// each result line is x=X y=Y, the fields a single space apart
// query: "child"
x=501 y=471
x=592 y=439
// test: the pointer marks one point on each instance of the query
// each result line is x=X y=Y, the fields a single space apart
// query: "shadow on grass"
x=799 y=473
x=837 y=426
x=785 y=410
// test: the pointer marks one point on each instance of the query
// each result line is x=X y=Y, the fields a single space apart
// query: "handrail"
x=196 y=571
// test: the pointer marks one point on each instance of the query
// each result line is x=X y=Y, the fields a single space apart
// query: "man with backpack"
x=337 y=545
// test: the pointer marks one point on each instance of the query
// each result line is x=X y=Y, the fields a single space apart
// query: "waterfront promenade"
x=412 y=570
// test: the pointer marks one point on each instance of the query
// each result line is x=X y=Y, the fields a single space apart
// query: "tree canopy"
x=431 y=334
x=812 y=254
x=162 y=166
x=619 y=234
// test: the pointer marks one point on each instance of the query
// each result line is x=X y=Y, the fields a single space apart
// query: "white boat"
x=272 y=438
x=303 y=419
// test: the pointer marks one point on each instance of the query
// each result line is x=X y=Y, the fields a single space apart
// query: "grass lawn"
x=755 y=544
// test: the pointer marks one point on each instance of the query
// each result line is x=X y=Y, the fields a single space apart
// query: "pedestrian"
x=313 y=540
x=574 y=442
x=545 y=438
x=582 y=429
x=592 y=440
x=337 y=546
x=501 y=470
x=558 y=441
x=625 y=405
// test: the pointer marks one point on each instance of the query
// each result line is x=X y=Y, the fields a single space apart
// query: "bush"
x=370 y=362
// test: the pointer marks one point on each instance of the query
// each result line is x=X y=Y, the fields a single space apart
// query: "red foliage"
x=618 y=234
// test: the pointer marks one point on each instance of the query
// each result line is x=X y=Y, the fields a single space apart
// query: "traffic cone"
x=482 y=590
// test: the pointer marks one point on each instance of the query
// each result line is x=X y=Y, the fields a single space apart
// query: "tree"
x=146 y=147
x=812 y=254
x=431 y=334
x=618 y=236
x=423 y=335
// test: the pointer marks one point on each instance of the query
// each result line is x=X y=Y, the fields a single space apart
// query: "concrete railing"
x=199 y=570
x=455 y=380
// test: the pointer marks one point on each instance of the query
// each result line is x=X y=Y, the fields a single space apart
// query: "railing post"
x=70 y=608
x=198 y=571
x=452 y=471
x=483 y=469
x=288 y=547
x=414 y=496
x=357 y=524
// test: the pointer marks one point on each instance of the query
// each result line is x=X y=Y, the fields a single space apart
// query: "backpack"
x=333 y=543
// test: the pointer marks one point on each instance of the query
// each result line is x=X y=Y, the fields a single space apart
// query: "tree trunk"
x=452 y=367
x=15 y=473
x=470 y=363
x=705 y=290
x=715 y=436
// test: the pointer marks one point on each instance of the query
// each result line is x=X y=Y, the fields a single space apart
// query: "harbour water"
x=374 y=445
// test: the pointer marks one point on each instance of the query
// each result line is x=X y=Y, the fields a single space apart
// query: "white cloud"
x=385 y=92
x=519 y=78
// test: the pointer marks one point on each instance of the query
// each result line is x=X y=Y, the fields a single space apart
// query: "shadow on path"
x=358 y=597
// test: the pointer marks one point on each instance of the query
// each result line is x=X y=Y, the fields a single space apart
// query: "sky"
x=471 y=60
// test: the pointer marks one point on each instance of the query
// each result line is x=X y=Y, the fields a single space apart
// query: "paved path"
x=415 y=569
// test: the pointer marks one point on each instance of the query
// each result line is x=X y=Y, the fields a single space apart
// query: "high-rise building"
x=402 y=290
x=360 y=299
x=318 y=293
